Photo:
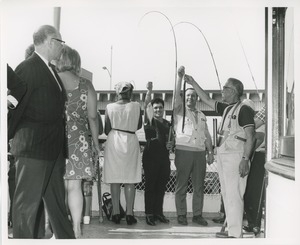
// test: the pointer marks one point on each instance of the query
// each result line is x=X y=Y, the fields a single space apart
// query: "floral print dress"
x=79 y=164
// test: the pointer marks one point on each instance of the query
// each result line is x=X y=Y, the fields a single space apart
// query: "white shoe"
x=86 y=220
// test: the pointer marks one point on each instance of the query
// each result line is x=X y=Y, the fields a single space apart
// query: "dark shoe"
x=9 y=224
x=219 y=220
x=248 y=228
x=199 y=220
x=150 y=220
x=223 y=235
x=116 y=218
x=182 y=220
x=251 y=228
x=161 y=218
x=256 y=230
x=130 y=219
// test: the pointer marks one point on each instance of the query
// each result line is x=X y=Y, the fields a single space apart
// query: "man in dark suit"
x=37 y=127
x=16 y=88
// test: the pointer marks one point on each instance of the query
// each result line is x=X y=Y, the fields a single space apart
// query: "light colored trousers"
x=232 y=188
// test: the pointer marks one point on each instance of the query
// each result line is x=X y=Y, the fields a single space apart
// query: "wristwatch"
x=245 y=158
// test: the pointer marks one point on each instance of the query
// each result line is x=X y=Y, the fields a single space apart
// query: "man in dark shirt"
x=234 y=147
x=156 y=162
x=254 y=197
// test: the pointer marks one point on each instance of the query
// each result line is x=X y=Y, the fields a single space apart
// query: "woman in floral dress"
x=82 y=131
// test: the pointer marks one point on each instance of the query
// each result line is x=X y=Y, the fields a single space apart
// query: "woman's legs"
x=75 y=204
x=66 y=197
x=129 y=197
x=115 y=197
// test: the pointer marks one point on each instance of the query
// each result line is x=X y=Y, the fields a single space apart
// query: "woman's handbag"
x=108 y=207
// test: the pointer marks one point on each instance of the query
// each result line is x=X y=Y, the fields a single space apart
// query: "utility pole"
x=56 y=17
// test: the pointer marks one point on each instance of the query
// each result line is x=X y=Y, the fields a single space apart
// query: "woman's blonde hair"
x=69 y=61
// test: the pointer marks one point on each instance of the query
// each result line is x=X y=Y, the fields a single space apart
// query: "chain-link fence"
x=211 y=182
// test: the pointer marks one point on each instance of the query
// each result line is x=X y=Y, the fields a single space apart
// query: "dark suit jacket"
x=37 y=125
x=15 y=85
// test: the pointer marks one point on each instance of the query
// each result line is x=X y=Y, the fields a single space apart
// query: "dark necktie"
x=56 y=76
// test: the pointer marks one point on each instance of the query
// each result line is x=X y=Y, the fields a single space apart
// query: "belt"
x=124 y=131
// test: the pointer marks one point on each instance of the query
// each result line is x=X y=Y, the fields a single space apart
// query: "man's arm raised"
x=177 y=97
x=200 y=92
x=148 y=110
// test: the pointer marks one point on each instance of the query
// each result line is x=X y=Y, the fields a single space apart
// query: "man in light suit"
x=234 y=147
x=37 y=127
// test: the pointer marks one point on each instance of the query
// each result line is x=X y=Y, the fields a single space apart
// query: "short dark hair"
x=239 y=86
x=157 y=101
x=42 y=33
x=190 y=89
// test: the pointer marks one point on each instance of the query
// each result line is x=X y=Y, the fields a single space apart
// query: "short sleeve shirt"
x=246 y=115
x=157 y=130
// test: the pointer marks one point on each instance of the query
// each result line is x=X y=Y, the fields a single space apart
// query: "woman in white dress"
x=122 y=158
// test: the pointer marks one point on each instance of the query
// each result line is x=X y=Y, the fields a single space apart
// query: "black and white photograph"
x=149 y=121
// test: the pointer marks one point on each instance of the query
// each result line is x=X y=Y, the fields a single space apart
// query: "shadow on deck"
x=110 y=230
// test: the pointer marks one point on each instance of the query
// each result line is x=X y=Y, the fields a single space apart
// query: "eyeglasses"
x=58 y=40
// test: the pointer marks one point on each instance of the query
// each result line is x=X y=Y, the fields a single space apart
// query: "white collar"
x=47 y=64
x=43 y=59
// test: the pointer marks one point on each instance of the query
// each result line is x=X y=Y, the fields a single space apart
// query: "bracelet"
x=245 y=158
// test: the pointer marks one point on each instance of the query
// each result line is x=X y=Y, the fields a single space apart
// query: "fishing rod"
x=210 y=51
x=175 y=46
x=214 y=63
x=247 y=63
x=244 y=52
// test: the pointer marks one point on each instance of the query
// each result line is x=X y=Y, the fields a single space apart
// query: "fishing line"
x=211 y=54
x=175 y=46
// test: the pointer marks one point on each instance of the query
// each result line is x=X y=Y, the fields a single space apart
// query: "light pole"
x=109 y=71
x=105 y=68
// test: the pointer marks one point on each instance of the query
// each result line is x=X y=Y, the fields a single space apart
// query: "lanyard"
x=233 y=110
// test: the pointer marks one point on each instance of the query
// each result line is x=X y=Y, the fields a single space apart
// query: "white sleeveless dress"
x=122 y=157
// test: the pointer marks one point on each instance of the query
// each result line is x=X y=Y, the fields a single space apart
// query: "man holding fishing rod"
x=193 y=143
x=234 y=148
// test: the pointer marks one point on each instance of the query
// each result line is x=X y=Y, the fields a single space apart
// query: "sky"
x=140 y=40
